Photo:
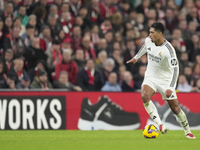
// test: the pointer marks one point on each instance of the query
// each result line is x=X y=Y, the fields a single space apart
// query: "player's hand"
x=133 y=60
x=168 y=93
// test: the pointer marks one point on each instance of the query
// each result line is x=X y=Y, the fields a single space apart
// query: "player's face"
x=154 y=35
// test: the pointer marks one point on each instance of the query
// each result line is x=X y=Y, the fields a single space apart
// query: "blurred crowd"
x=83 y=45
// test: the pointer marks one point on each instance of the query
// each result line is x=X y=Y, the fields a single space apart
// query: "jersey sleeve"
x=141 y=52
x=174 y=67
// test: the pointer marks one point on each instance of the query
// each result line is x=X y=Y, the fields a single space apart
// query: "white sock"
x=182 y=120
x=153 y=113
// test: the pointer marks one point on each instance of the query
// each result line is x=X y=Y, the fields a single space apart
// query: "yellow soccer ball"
x=150 y=131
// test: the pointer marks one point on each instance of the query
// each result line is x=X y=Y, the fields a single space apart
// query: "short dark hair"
x=56 y=42
x=28 y=26
x=21 y=6
x=158 y=26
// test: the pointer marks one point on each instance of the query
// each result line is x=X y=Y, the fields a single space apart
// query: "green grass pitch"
x=95 y=140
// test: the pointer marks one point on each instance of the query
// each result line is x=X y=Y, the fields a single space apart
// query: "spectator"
x=9 y=83
x=197 y=5
x=117 y=58
x=67 y=64
x=106 y=9
x=176 y=44
x=34 y=53
x=111 y=85
x=41 y=3
x=8 y=24
x=41 y=65
x=139 y=77
x=188 y=75
x=41 y=81
x=54 y=55
x=8 y=58
x=16 y=43
x=108 y=67
x=197 y=59
x=61 y=36
x=27 y=37
x=2 y=72
x=197 y=85
x=40 y=13
x=183 y=27
x=119 y=39
x=102 y=56
x=53 y=10
x=129 y=53
x=128 y=84
x=121 y=71
x=159 y=9
x=181 y=16
x=24 y=84
x=132 y=17
x=89 y=52
x=88 y=78
x=67 y=23
x=195 y=47
x=83 y=13
x=79 y=59
x=117 y=21
x=196 y=71
x=17 y=70
x=9 y=9
x=130 y=35
x=192 y=16
x=187 y=5
x=109 y=38
x=94 y=11
x=3 y=39
x=29 y=6
x=75 y=6
x=18 y=23
x=95 y=35
x=192 y=27
x=45 y=38
x=54 y=26
x=64 y=7
x=143 y=7
x=125 y=8
x=152 y=14
x=167 y=33
x=171 y=4
x=102 y=45
x=76 y=38
x=183 y=85
x=170 y=19
x=63 y=83
x=184 y=61
x=177 y=34
x=32 y=22
x=79 y=22
x=106 y=26
x=58 y=3
x=22 y=14
x=66 y=44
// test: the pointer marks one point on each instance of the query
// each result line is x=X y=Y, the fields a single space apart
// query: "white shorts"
x=159 y=86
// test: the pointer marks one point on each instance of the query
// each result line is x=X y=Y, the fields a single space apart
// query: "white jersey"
x=162 y=62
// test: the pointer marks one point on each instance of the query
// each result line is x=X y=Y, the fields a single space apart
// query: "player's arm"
x=173 y=64
x=141 y=52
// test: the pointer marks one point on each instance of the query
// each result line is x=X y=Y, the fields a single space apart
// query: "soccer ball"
x=150 y=131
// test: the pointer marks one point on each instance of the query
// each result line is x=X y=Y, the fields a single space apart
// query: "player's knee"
x=176 y=109
x=145 y=97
